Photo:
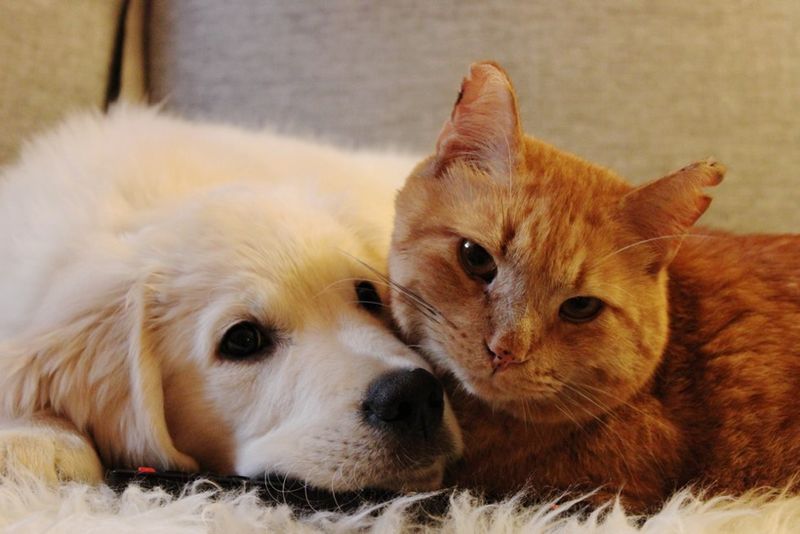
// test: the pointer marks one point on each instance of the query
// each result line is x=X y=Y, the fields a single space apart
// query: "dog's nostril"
x=405 y=402
x=404 y=411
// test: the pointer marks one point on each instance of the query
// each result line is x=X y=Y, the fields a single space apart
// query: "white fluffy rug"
x=27 y=506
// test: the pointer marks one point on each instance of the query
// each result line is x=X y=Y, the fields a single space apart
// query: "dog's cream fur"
x=131 y=242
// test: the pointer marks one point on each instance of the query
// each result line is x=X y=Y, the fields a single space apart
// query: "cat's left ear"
x=484 y=128
x=661 y=212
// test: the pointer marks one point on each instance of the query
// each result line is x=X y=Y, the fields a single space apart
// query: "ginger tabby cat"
x=597 y=339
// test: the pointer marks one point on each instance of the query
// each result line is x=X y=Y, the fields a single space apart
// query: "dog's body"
x=131 y=246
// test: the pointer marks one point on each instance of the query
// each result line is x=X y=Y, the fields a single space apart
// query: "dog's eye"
x=245 y=340
x=580 y=309
x=367 y=297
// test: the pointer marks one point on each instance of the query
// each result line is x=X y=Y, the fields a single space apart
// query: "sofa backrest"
x=56 y=58
x=641 y=87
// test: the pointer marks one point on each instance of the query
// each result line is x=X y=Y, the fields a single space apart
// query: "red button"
x=146 y=470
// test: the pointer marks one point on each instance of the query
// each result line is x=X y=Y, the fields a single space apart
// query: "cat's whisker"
x=422 y=302
x=509 y=153
x=630 y=405
x=370 y=303
x=424 y=311
x=332 y=284
x=433 y=313
x=564 y=409
x=411 y=296
x=645 y=241
x=604 y=423
x=386 y=284
x=620 y=402
x=428 y=313
x=525 y=416
x=605 y=410
x=408 y=293
x=591 y=414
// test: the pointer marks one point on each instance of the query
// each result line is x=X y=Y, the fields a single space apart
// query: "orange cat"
x=599 y=340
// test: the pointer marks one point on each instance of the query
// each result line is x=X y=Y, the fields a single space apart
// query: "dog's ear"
x=100 y=371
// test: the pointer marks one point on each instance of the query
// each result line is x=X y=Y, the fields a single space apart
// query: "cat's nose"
x=405 y=402
x=501 y=357
x=511 y=344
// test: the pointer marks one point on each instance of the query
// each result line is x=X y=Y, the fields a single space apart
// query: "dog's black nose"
x=405 y=402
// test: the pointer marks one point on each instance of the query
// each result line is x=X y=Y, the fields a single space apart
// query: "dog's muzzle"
x=405 y=403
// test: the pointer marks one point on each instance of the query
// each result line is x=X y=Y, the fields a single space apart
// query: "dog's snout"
x=405 y=402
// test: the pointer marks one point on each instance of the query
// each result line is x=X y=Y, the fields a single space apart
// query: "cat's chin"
x=523 y=397
x=531 y=411
x=506 y=390
x=533 y=402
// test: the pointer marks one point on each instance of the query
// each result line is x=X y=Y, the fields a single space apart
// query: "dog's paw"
x=51 y=453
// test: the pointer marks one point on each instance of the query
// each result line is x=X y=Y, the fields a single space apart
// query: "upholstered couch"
x=642 y=87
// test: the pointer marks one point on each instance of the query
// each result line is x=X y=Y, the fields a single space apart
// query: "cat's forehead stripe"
x=535 y=224
x=552 y=238
x=509 y=233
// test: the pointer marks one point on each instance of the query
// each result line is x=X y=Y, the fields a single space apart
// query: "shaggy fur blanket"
x=29 y=506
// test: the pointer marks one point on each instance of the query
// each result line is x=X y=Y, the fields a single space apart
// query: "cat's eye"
x=246 y=340
x=580 y=309
x=368 y=298
x=476 y=261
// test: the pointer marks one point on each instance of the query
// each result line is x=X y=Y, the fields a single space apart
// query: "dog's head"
x=236 y=332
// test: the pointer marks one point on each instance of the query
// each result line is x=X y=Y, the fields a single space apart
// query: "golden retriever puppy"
x=197 y=297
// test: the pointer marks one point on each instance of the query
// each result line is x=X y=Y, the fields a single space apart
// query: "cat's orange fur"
x=690 y=374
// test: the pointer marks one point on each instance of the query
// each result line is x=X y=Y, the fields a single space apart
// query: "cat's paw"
x=51 y=453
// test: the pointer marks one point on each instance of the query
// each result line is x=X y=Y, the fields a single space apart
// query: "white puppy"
x=188 y=296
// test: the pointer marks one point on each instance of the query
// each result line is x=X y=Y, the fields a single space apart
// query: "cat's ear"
x=484 y=128
x=661 y=212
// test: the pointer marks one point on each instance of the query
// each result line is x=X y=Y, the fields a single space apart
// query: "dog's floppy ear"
x=100 y=371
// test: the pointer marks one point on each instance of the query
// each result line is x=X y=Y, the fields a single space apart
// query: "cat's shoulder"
x=721 y=254
x=734 y=294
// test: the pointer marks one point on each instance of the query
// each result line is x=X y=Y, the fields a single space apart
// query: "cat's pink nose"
x=501 y=357
x=500 y=364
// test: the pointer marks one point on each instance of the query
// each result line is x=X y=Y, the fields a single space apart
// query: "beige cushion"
x=55 y=57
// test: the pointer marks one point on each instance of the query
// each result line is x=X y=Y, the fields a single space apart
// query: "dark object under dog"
x=272 y=489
